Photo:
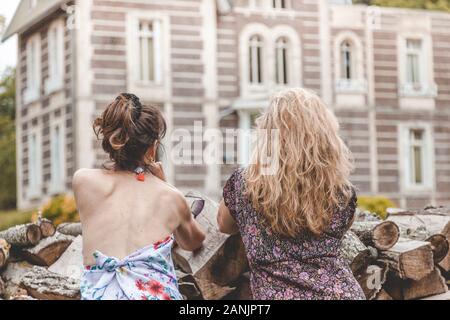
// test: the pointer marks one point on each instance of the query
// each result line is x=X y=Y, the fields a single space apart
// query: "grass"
x=13 y=217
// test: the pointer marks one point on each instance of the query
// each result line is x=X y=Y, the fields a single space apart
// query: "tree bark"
x=47 y=227
x=70 y=229
x=222 y=258
x=430 y=285
x=410 y=259
x=188 y=286
x=420 y=225
x=357 y=255
x=45 y=285
x=383 y=295
x=2 y=287
x=24 y=235
x=48 y=250
x=382 y=236
x=70 y=264
x=243 y=290
x=372 y=280
x=12 y=276
x=445 y=263
x=4 y=253
x=212 y=291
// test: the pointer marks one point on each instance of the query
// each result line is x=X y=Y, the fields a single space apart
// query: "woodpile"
x=403 y=257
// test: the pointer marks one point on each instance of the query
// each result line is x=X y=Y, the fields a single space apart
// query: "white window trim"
x=269 y=37
x=35 y=187
x=33 y=90
x=57 y=185
x=55 y=82
x=428 y=87
x=358 y=85
x=405 y=160
x=160 y=24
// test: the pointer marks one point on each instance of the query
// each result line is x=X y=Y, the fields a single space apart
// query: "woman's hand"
x=157 y=170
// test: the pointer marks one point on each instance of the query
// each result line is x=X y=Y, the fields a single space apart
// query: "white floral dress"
x=147 y=274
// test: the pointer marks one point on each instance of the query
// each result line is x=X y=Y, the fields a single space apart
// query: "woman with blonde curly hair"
x=293 y=218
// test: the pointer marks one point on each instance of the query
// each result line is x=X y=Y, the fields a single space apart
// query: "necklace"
x=140 y=174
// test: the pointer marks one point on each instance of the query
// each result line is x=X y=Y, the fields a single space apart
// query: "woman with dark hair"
x=130 y=215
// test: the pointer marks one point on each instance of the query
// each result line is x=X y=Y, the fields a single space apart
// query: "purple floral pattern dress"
x=304 y=268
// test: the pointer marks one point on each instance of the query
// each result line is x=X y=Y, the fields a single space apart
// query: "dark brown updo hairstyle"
x=127 y=130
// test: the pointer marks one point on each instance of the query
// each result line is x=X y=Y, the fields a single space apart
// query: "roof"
x=25 y=16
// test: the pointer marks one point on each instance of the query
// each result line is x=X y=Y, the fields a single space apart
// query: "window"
x=346 y=60
x=281 y=61
x=417 y=157
x=33 y=72
x=255 y=57
x=57 y=159
x=279 y=4
x=413 y=62
x=55 y=41
x=34 y=165
x=149 y=51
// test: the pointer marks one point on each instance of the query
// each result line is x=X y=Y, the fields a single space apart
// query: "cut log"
x=24 y=235
x=4 y=253
x=12 y=277
x=383 y=295
x=71 y=229
x=357 y=255
x=188 y=286
x=47 y=227
x=212 y=291
x=410 y=259
x=372 y=280
x=243 y=290
x=382 y=236
x=48 y=250
x=419 y=226
x=442 y=296
x=70 y=264
x=430 y=285
x=2 y=287
x=22 y=297
x=445 y=263
x=440 y=246
x=46 y=285
x=222 y=258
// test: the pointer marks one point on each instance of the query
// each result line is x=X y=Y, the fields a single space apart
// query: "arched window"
x=347 y=64
x=281 y=61
x=255 y=60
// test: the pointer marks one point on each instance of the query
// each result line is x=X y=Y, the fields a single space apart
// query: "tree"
x=443 y=5
x=7 y=140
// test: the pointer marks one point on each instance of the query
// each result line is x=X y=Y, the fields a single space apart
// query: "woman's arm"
x=226 y=221
x=189 y=235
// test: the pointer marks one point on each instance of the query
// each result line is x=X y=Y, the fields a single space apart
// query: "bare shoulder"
x=176 y=197
x=88 y=179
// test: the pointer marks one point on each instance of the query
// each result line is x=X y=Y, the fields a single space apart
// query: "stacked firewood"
x=404 y=257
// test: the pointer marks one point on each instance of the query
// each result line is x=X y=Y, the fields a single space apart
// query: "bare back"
x=120 y=214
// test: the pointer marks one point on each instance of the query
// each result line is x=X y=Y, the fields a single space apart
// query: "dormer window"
x=255 y=57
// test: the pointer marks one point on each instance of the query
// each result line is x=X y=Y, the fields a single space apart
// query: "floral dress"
x=302 y=268
x=147 y=274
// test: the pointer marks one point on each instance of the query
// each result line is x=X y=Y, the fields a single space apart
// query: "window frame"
x=282 y=69
x=57 y=180
x=34 y=164
x=55 y=60
x=33 y=64
x=405 y=158
x=256 y=60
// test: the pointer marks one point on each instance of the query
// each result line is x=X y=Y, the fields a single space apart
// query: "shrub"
x=61 y=209
x=376 y=204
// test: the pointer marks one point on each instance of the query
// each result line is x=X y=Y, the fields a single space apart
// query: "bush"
x=61 y=209
x=376 y=204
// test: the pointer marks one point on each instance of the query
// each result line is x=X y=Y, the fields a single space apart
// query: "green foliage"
x=376 y=204
x=7 y=141
x=443 y=5
x=12 y=218
x=61 y=209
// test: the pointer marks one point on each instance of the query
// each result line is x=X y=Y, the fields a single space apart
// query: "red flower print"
x=165 y=296
x=154 y=287
x=140 y=285
x=144 y=297
x=156 y=245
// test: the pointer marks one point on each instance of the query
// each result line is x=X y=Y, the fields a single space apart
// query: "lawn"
x=11 y=218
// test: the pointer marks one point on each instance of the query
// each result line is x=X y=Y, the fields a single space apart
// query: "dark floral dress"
x=284 y=268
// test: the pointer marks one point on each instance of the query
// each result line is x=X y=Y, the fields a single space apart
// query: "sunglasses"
x=197 y=205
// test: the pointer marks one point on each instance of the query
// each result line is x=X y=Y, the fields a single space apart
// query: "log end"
x=34 y=234
x=440 y=247
x=386 y=235
x=48 y=229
